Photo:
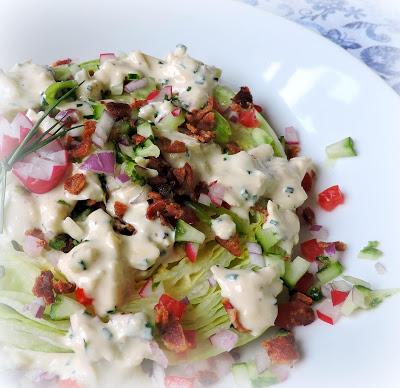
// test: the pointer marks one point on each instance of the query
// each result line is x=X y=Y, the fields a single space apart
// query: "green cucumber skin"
x=186 y=233
x=295 y=270
x=341 y=149
x=332 y=271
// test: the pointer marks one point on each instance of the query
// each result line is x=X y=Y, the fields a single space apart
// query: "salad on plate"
x=150 y=223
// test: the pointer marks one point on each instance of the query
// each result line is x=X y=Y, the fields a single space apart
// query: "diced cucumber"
x=371 y=251
x=147 y=150
x=261 y=137
x=356 y=281
x=92 y=65
x=223 y=95
x=61 y=73
x=341 y=149
x=57 y=89
x=241 y=375
x=369 y=299
x=330 y=272
x=277 y=262
x=187 y=233
x=276 y=144
x=98 y=110
x=267 y=238
x=264 y=379
x=246 y=376
x=222 y=128
x=63 y=308
x=294 y=270
x=171 y=122
x=145 y=130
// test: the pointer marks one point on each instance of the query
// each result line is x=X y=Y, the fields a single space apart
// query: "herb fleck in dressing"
x=252 y=293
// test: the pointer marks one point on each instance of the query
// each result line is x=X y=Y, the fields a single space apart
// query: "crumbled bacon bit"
x=137 y=104
x=300 y=297
x=243 y=98
x=340 y=246
x=43 y=287
x=173 y=210
x=60 y=62
x=282 y=349
x=120 y=209
x=292 y=150
x=175 y=147
x=161 y=315
x=155 y=208
x=75 y=183
x=138 y=139
x=233 y=316
x=185 y=178
x=154 y=196
x=89 y=127
x=200 y=123
x=232 y=245
x=63 y=287
x=189 y=215
x=233 y=148
x=123 y=227
x=35 y=232
x=118 y=110
x=174 y=338
x=294 y=313
x=308 y=215
x=83 y=148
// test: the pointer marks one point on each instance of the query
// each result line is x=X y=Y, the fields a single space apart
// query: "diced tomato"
x=82 y=298
x=68 y=384
x=330 y=198
x=178 y=382
x=310 y=249
x=307 y=182
x=305 y=283
x=248 y=118
x=153 y=94
x=190 y=336
x=192 y=250
x=174 y=307
x=60 y=62
x=325 y=318
x=338 y=297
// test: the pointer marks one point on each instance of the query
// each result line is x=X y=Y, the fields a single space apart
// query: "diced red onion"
x=319 y=232
x=166 y=91
x=176 y=112
x=135 y=84
x=100 y=162
x=36 y=307
x=232 y=116
x=107 y=57
x=330 y=311
x=185 y=300
x=326 y=290
x=216 y=193
x=212 y=281
x=313 y=269
x=380 y=268
x=68 y=115
x=330 y=250
x=33 y=246
x=281 y=372
x=103 y=129
x=224 y=339
x=341 y=285
x=291 y=136
x=262 y=360
x=204 y=199
x=254 y=248
x=158 y=355
x=221 y=364
x=257 y=259
x=123 y=178
x=21 y=125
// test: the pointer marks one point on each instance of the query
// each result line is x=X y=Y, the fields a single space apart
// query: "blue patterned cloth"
x=368 y=29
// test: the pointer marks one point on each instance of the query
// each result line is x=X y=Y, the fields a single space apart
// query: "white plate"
x=301 y=79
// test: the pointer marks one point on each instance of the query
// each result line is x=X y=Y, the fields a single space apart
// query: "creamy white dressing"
x=252 y=293
x=156 y=111
x=284 y=176
x=223 y=227
x=123 y=342
x=285 y=225
x=22 y=87
x=152 y=238
x=96 y=264
x=90 y=89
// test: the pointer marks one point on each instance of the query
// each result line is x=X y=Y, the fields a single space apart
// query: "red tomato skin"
x=178 y=382
x=175 y=307
x=82 y=298
x=330 y=198
x=248 y=118
x=153 y=94
x=338 y=297
x=40 y=186
x=324 y=318
x=310 y=249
